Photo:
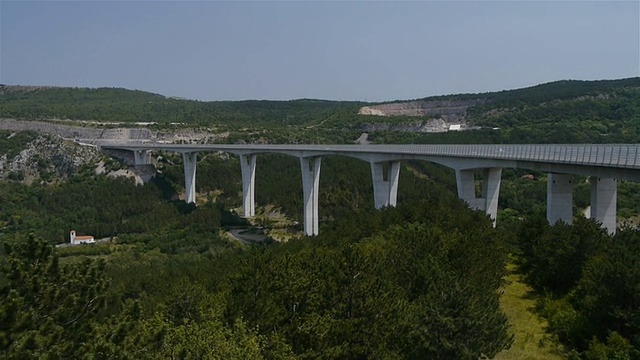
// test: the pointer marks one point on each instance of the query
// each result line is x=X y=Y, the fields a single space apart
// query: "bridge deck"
x=609 y=155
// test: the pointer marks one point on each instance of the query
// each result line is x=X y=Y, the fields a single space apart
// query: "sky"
x=340 y=50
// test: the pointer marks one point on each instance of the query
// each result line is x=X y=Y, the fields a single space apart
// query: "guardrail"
x=610 y=155
x=627 y=156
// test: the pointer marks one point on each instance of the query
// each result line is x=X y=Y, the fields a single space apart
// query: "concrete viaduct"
x=603 y=164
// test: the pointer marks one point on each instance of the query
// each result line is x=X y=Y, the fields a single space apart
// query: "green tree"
x=46 y=309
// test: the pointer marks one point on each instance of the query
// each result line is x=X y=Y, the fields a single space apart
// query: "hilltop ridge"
x=453 y=108
x=562 y=111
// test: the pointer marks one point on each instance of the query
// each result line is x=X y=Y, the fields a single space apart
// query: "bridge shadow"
x=169 y=192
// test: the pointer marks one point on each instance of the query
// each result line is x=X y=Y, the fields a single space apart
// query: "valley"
x=424 y=279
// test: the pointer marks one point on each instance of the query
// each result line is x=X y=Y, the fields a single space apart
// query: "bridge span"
x=603 y=164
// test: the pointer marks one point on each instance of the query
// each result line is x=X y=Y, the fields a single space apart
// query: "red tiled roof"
x=84 y=238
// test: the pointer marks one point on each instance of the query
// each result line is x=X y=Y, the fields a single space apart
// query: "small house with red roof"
x=83 y=239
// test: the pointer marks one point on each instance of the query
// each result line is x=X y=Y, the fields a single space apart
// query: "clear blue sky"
x=370 y=51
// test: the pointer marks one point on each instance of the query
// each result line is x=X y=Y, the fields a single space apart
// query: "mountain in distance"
x=596 y=111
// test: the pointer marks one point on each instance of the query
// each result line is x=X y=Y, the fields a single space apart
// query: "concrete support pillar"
x=488 y=202
x=248 y=167
x=467 y=189
x=491 y=191
x=141 y=157
x=604 y=193
x=559 y=198
x=189 y=160
x=385 y=191
x=310 y=187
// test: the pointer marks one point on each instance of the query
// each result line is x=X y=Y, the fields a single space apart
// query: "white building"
x=455 y=127
x=75 y=240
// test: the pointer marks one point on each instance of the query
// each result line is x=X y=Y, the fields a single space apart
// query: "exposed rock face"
x=53 y=157
x=429 y=126
x=50 y=159
x=442 y=113
x=47 y=157
x=76 y=132
x=101 y=133
x=370 y=111
x=140 y=173
x=363 y=139
x=444 y=108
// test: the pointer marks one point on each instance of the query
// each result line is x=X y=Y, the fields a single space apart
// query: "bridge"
x=603 y=164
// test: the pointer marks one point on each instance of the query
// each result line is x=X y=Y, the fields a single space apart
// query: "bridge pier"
x=488 y=202
x=310 y=187
x=248 y=167
x=141 y=157
x=385 y=192
x=604 y=163
x=559 y=198
x=604 y=193
x=189 y=160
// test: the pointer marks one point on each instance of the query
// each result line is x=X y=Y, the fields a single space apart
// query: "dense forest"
x=422 y=280
x=591 y=285
x=374 y=284
x=408 y=282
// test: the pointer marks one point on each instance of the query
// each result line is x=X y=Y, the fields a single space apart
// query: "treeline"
x=559 y=91
x=417 y=281
x=122 y=105
x=590 y=283
x=606 y=111
x=555 y=90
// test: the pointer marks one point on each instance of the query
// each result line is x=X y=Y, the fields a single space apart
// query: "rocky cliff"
x=428 y=126
x=48 y=158
x=421 y=108
x=440 y=114
x=99 y=132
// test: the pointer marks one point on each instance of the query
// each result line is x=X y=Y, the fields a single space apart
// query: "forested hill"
x=122 y=105
x=568 y=111
x=556 y=90
x=610 y=107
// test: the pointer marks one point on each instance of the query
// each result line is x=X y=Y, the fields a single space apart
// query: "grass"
x=531 y=341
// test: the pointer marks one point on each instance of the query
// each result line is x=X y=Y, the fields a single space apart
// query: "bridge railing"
x=613 y=155
x=598 y=155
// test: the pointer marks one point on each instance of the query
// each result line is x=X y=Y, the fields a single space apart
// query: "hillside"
x=563 y=111
x=122 y=105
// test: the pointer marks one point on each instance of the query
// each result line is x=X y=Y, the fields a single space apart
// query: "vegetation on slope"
x=12 y=144
x=122 y=105
x=603 y=111
x=412 y=282
x=591 y=282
